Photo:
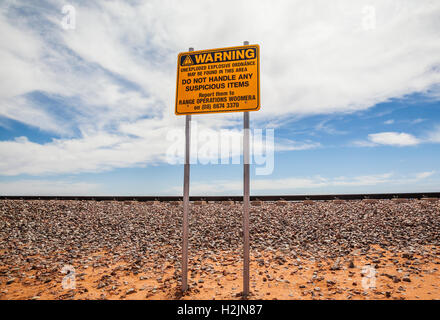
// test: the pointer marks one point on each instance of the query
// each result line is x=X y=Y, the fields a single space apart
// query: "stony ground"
x=132 y=249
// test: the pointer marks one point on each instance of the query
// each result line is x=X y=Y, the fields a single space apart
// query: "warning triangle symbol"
x=188 y=61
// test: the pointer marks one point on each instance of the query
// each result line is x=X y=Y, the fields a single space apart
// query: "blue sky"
x=350 y=88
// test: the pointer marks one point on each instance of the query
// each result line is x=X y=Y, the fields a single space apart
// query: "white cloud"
x=290 y=185
x=410 y=121
x=20 y=51
x=328 y=129
x=90 y=154
x=47 y=188
x=393 y=139
x=145 y=142
x=434 y=135
x=294 y=185
x=117 y=68
x=20 y=110
x=416 y=121
x=318 y=47
x=363 y=143
x=399 y=139
x=423 y=175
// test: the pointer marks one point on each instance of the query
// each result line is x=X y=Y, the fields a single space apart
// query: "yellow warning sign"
x=218 y=80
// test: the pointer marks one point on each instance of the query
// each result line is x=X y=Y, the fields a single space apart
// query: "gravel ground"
x=132 y=250
x=60 y=231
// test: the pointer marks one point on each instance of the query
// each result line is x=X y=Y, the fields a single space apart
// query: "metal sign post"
x=186 y=201
x=246 y=182
x=214 y=81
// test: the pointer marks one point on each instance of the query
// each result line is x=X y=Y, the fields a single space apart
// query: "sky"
x=350 y=91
